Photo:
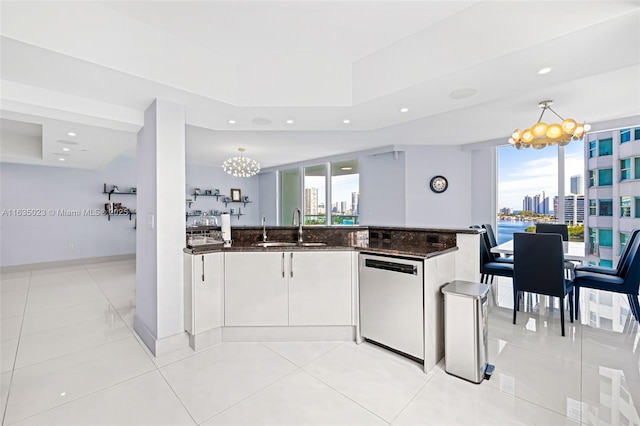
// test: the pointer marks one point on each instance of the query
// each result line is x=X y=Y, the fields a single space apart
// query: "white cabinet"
x=288 y=288
x=320 y=288
x=203 y=297
x=256 y=288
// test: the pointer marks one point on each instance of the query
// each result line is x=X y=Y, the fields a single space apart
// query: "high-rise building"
x=506 y=210
x=311 y=201
x=527 y=204
x=574 y=209
x=343 y=207
x=577 y=185
x=355 y=203
x=612 y=196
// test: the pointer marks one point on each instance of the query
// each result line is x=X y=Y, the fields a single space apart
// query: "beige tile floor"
x=70 y=357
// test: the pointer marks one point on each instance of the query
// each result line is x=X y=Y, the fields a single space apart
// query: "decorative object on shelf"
x=115 y=189
x=235 y=194
x=245 y=199
x=134 y=190
x=196 y=191
x=542 y=134
x=232 y=211
x=207 y=192
x=241 y=166
x=216 y=191
x=439 y=184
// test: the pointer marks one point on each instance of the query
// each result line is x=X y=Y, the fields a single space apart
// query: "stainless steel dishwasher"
x=392 y=303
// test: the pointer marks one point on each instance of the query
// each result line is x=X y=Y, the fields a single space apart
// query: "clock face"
x=438 y=184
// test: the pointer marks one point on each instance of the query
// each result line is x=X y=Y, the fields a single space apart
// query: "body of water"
x=506 y=228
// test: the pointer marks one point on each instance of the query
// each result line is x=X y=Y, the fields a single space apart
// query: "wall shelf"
x=219 y=197
x=104 y=191
x=195 y=196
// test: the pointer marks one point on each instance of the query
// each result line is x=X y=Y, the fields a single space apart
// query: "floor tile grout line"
x=81 y=397
x=308 y=362
x=15 y=357
x=350 y=399
x=255 y=392
x=432 y=376
x=177 y=396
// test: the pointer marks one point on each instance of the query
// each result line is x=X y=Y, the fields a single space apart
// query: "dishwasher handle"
x=403 y=268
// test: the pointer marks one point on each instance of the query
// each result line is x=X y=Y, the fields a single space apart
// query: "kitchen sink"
x=311 y=244
x=273 y=244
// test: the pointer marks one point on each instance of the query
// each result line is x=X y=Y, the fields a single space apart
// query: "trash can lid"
x=466 y=288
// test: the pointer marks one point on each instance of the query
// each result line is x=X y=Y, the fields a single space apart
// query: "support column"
x=561 y=178
x=160 y=234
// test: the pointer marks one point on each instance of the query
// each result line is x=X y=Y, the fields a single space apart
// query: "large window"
x=637 y=209
x=345 y=193
x=315 y=189
x=606 y=208
x=637 y=167
x=592 y=178
x=605 y=147
x=305 y=188
x=605 y=177
x=592 y=149
x=625 y=169
x=592 y=208
x=625 y=206
x=625 y=135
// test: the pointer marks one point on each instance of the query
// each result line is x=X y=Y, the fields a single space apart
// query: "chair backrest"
x=631 y=268
x=624 y=257
x=553 y=228
x=539 y=263
x=490 y=235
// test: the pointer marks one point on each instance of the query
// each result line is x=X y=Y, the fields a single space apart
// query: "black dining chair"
x=488 y=266
x=490 y=239
x=626 y=280
x=539 y=268
x=623 y=257
x=553 y=228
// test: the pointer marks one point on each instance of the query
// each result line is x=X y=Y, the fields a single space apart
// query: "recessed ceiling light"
x=346 y=168
x=463 y=93
x=346 y=121
x=66 y=149
x=262 y=121
x=289 y=121
x=61 y=159
x=232 y=121
x=71 y=134
x=85 y=150
x=544 y=70
x=404 y=109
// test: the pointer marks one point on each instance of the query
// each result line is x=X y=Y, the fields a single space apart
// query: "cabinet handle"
x=291 y=266
x=282 y=265
x=203 y=268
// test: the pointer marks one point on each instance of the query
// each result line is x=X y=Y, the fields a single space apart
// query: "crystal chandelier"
x=241 y=166
x=542 y=134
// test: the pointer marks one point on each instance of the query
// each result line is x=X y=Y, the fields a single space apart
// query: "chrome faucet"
x=264 y=228
x=297 y=213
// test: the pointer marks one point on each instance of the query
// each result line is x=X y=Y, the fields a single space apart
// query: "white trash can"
x=465 y=330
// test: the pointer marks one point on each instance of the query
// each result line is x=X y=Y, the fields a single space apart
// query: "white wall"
x=214 y=177
x=484 y=185
x=382 y=189
x=56 y=237
x=451 y=208
x=269 y=198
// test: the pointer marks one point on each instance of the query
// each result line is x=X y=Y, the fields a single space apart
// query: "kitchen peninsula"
x=289 y=291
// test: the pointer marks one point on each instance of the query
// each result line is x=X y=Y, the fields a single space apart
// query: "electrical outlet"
x=69 y=246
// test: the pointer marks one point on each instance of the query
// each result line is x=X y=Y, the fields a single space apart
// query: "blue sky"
x=529 y=172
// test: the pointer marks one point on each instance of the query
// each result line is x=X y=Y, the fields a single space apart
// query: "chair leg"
x=492 y=277
x=635 y=307
x=515 y=304
x=570 y=305
x=576 y=298
x=562 y=316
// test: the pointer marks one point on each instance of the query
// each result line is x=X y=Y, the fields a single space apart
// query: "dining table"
x=573 y=250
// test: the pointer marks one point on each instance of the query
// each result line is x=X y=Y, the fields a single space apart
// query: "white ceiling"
x=93 y=68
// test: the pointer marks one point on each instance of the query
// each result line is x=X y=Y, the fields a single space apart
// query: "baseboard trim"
x=162 y=346
x=344 y=333
x=63 y=263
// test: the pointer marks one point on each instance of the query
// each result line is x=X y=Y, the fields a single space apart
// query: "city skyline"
x=530 y=172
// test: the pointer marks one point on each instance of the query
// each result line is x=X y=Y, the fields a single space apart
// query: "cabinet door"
x=255 y=289
x=206 y=292
x=320 y=288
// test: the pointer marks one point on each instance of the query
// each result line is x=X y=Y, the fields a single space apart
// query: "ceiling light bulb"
x=544 y=70
x=232 y=121
x=346 y=168
x=71 y=134
x=289 y=121
x=539 y=129
x=66 y=149
x=60 y=159
x=404 y=109
x=346 y=121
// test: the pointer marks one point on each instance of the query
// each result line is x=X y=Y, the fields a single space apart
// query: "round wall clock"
x=438 y=184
